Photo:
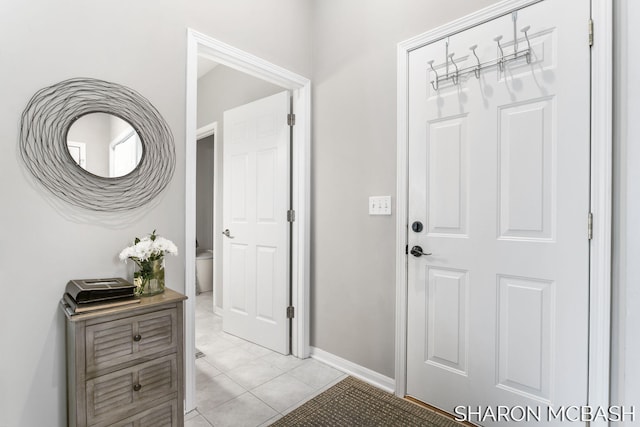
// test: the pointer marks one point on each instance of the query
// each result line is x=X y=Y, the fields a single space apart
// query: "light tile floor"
x=239 y=383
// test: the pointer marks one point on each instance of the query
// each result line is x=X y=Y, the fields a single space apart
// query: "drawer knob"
x=137 y=387
x=137 y=337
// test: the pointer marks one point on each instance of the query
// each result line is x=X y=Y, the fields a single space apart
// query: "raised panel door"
x=499 y=173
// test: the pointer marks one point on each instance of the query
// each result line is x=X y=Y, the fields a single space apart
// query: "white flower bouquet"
x=148 y=254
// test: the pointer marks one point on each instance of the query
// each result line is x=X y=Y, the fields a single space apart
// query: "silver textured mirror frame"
x=43 y=144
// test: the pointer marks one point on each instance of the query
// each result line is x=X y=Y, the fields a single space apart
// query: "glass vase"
x=149 y=278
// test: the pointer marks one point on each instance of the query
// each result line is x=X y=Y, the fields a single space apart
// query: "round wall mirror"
x=120 y=141
x=104 y=145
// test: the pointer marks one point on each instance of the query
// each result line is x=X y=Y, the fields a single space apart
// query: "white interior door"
x=255 y=203
x=499 y=177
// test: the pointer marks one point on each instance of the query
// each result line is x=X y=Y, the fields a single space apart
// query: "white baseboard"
x=353 y=369
x=218 y=310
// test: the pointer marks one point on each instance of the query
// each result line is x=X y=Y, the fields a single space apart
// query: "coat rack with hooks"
x=455 y=72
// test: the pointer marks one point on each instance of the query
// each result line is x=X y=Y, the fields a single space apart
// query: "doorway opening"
x=203 y=48
x=206 y=180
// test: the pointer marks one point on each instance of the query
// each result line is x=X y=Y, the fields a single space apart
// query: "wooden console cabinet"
x=125 y=365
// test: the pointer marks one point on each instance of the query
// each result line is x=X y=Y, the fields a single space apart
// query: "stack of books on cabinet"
x=87 y=295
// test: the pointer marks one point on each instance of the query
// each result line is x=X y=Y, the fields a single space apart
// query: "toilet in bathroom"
x=204 y=270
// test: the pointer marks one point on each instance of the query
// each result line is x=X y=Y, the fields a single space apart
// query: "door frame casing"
x=600 y=189
x=201 y=45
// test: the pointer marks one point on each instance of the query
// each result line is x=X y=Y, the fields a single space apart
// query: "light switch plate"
x=380 y=205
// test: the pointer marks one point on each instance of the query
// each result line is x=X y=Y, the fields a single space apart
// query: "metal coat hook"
x=501 y=59
x=476 y=70
x=528 y=54
x=454 y=77
x=437 y=79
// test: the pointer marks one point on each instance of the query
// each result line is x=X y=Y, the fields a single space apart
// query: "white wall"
x=625 y=370
x=354 y=157
x=118 y=127
x=219 y=90
x=43 y=242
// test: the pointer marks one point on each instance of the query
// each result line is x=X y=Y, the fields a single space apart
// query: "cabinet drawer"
x=122 y=393
x=112 y=343
x=165 y=415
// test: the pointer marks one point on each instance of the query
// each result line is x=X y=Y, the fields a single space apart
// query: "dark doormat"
x=352 y=402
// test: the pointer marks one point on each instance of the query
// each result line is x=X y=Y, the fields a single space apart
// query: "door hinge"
x=590 y=226
x=291 y=215
x=406 y=250
x=290 y=312
x=590 y=32
x=291 y=119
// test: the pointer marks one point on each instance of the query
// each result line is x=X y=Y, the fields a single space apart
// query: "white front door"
x=255 y=203
x=499 y=178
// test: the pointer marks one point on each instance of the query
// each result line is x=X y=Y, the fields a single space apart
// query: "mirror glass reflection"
x=104 y=145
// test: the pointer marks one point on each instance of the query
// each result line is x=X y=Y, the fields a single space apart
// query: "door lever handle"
x=227 y=233
x=416 y=251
